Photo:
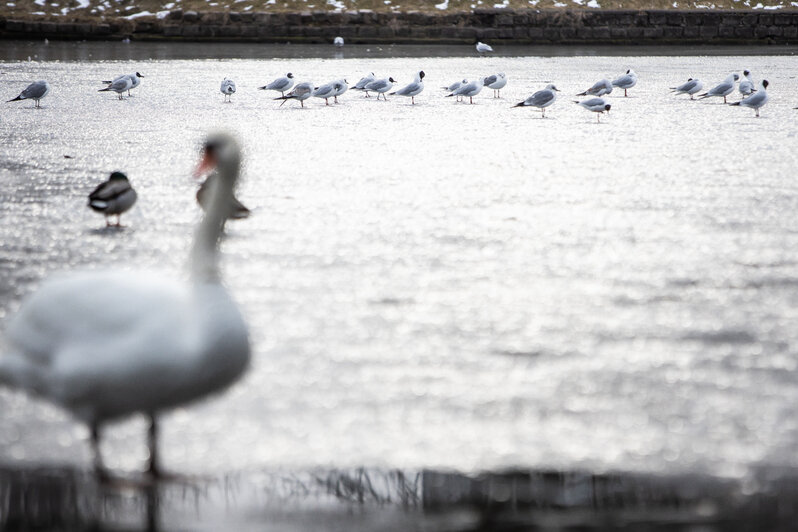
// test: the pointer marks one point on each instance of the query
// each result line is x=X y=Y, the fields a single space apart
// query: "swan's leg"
x=152 y=441
x=99 y=468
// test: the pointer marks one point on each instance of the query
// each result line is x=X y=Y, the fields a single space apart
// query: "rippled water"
x=439 y=285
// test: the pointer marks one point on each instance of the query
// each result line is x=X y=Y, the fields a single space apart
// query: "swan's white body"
x=108 y=344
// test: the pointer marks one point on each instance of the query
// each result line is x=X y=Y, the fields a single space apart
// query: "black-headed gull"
x=722 y=89
x=482 y=47
x=691 y=86
x=134 y=78
x=339 y=87
x=413 y=89
x=228 y=88
x=746 y=86
x=380 y=86
x=756 y=100
x=596 y=105
x=301 y=92
x=599 y=88
x=35 y=91
x=280 y=84
x=626 y=81
x=365 y=80
x=541 y=99
x=325 y=91
x=120 y=85
x=497 y=83
x=469 y=89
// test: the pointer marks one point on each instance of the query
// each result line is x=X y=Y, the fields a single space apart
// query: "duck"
x=113 y=197
x=35 y=91
x=135 y=342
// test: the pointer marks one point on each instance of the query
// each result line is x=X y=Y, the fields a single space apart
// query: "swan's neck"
x=205 y=252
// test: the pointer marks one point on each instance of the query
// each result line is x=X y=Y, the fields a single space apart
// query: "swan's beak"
x=207 y=164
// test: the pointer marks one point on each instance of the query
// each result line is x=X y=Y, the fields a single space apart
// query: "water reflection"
x=68 y=499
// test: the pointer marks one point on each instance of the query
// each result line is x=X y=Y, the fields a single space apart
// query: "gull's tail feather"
x=16 y=99
x=519 y=104
x=734 y=103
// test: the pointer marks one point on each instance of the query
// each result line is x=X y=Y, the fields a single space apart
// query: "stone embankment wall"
x=493 y=25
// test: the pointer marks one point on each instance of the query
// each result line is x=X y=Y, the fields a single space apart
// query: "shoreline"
x=500 y=26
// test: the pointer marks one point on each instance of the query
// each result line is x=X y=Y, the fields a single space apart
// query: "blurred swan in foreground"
x=113 y=196
x=107 y=344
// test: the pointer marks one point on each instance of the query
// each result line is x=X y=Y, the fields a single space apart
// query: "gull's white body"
x=746 y=86
x=482 y=47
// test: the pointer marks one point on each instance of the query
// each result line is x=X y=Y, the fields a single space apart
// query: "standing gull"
x=119 y=86
x=541 y=99
x=757 y=100
x=497 y=83
x=325 y=91
x=134 y=342
x=599 y=88
x=365 y=80
x=626 y=82
x=338 y=41
x=596 y=105
x=746 y=86
x=280 y=84
x=413 y=89
x=380 y=86
x=301 y=92
x=134 y=79
x=228 y=88
x=691 y=86
x=722 y=89
x=470 y=89
x=35 y=91
x=339 y=87
x=113 y=196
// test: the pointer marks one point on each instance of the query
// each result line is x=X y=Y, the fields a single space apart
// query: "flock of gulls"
x=174 y=342
x=753 y=96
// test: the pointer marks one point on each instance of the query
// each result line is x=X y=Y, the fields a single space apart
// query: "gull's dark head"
x=289 y=76
x=421 y=74
x=118 y=176
x=765 y=83
x=607 y=107
x=392 y=80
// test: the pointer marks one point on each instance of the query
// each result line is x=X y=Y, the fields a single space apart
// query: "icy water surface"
x=442 y=285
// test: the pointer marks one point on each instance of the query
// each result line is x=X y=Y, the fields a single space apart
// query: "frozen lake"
x=441 y=285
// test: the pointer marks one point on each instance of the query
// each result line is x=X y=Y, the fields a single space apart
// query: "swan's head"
x=220 y=151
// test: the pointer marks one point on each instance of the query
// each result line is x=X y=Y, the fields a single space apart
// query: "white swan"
x=108 y=344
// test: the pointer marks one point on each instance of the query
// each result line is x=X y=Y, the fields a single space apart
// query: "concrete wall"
x=509 y=26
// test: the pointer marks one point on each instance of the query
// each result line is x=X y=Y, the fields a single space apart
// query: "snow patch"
x=337 y=4
x=139 y=14
x=443 y=5
x=593 y=4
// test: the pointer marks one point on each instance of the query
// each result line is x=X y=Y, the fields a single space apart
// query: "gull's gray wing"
x=490 y=79
x=35 y=90
x=413 y=87
x=377 y=85
x=721 y=89
x=540 y=98
x=626 y=79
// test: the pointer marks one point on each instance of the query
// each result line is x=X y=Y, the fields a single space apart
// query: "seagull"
x=597 y=105
x=482 y=47
x=339 y=87
x=237 y=209
x=301 y=92
x=108 y=344
x=691 y=86
x=470 y=89
x=541 y=99
x=625 y=82
x=757 y=100
x=35 y=91
x=380 y=86
x=338 y=41
x=228 y=88
x=119 y=85
x=413 y=89
x=454 y=86
x=134 y=78
x=723 y=89
x=326 y=91
x=746 y=86
x=599 y=88
x=496 y=82
x=280 y=84
x=114 y=196
x=365 y=80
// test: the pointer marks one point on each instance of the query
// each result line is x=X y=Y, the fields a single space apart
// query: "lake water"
x=443 y=285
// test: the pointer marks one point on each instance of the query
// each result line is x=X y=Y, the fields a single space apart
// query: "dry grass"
x=100 y=9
